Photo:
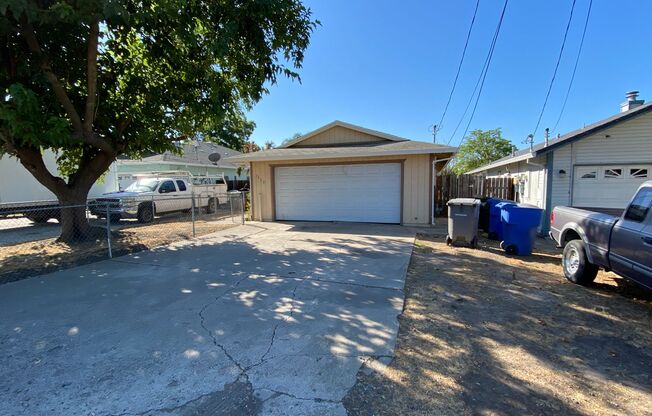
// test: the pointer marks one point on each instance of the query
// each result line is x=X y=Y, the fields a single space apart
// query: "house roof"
x=338 y=123
x=193 y=153
x=403 y=147
x=541 y=148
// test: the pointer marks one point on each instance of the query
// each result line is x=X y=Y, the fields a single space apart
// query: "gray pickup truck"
x=620 y=244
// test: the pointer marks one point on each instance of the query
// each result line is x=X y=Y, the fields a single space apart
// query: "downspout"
x=433 y=181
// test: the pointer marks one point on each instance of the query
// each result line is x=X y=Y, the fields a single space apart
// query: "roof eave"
x=327 y=155
x=494 y=165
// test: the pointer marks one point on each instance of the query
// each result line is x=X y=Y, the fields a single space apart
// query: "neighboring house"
x=194 y=158
x=343 y=172
x=598 y=166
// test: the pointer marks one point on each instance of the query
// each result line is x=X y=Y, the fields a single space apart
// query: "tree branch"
x=32 y=160
x=57 y=86
x=80 y=133
x=91 y=76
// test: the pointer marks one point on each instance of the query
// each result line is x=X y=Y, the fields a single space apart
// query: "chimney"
x=546 y=135
x=632 y=101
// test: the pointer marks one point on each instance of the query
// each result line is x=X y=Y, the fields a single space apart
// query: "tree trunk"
x=74 y=224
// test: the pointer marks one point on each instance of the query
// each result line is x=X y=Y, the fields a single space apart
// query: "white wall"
x=530 y=175
x=629 y=142
x=18 y=185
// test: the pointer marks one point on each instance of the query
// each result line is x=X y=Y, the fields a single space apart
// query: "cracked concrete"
x=269 y=319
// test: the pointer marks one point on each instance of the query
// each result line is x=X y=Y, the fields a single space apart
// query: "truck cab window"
x=638 y=209
x=167 y=187
x=181 y=185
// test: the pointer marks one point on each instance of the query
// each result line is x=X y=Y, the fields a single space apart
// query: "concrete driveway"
x=259 y=319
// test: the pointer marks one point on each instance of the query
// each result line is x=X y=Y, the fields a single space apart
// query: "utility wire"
x=577 y=60
x=481 y=79
x=459 y=67
x=554 y=74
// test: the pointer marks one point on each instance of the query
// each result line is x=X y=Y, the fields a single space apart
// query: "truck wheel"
x=145 y=213
x=38 y=217
x=575 y=264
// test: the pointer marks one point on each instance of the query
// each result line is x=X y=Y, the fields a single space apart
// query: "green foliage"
x=166 y=69
x=480 y=148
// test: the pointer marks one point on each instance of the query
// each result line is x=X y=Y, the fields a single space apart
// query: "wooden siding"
x=416 y=185
x=339 y=135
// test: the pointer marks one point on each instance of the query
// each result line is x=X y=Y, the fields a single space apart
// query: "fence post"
x=243 y=199
x=192 y=213
x=108 y=230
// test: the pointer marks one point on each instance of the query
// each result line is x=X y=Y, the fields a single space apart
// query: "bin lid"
x=464 y=201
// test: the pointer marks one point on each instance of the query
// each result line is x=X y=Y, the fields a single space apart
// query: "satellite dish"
x=214 y=157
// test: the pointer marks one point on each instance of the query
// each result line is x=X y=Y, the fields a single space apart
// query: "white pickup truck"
x=162 y=193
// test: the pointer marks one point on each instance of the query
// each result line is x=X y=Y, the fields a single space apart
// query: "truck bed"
x=596 y=227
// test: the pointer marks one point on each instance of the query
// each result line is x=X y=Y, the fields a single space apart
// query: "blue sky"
x=389 y=66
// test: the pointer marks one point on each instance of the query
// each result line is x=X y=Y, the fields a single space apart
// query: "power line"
x=459 y=67
x=577 y=60
x=482 y=78
x=554 y=74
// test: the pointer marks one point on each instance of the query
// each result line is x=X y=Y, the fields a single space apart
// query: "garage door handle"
x=647 y=240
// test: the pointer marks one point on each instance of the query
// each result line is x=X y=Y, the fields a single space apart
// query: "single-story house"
x=195 y=158
x=598 y=166
x=343 y=172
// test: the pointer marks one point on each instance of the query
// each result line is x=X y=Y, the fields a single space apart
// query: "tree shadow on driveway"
x=284 y=320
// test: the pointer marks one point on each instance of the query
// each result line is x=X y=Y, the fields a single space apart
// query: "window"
x=613 y=173
x=638 y=209
x=639 y=173
x=181 y=185
x=167 y=187
x=589 y=172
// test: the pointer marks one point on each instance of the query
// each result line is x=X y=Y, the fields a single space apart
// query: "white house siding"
x=627 y=143
x=533 y=173
x=560 y=191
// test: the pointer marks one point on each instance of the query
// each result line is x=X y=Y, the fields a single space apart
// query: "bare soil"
x=485 y=333
x=33 y=258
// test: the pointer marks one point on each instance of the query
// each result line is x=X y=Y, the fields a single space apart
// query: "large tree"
x=479 y=148
x=94 y=79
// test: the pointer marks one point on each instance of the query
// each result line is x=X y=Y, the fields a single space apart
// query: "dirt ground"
x=484 y=333
x=22 y=260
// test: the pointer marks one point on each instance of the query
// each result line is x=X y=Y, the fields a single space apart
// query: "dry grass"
x=23 y=260
x=483 y=333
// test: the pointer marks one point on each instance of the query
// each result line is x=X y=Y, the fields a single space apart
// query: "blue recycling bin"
x=520 y=224
x=495 y=231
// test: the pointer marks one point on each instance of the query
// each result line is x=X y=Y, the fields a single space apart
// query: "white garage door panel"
x=359 y=193
x=607 y=186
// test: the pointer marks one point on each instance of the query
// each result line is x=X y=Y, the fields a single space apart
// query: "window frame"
x=613 y=168
x=583 y=170
x=638 y=167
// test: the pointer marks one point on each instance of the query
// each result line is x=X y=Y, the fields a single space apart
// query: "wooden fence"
x=467 y=186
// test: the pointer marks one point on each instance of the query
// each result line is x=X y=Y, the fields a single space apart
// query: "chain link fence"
x=31 y=237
